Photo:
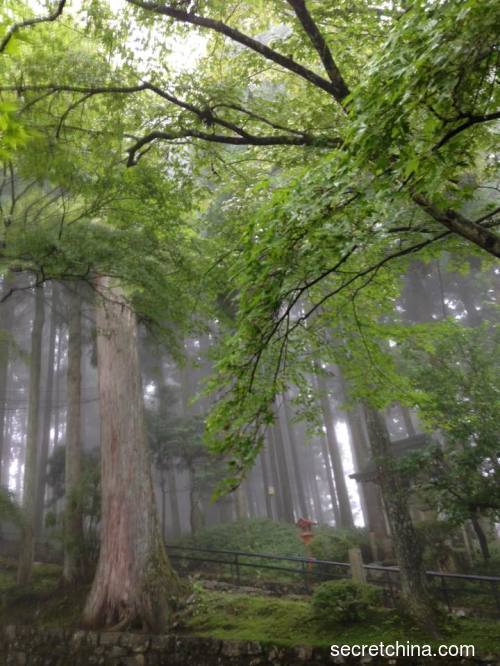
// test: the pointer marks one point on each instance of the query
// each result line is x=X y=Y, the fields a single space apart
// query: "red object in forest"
x=306 y=537
x=305 y=524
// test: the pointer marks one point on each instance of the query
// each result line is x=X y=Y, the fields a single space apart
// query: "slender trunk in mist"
x=174 y=501
x=345 y=511
x=134 y=583
x=407 y=546
x=187 y=389
x=313 y=489
x=280 y=473
x=29 y=487
x=241 y=502
x=6 y=324
x=369 y=493
x=266 y=484
x=330 y=480
x=47 y=400
x=253 y=506
x=297 y=470
x=73 y=521
x=56 y=398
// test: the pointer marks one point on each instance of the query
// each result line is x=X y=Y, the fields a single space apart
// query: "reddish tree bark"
x=134 y=585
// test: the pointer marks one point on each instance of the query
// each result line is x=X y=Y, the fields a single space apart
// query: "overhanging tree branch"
x=247 y=140
x=28 y=23
x=288 y=63
x=204 y=114
x=459 y=224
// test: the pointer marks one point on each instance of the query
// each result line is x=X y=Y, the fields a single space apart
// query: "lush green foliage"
x=457 y=382
x=344 y=602
x=312 y=192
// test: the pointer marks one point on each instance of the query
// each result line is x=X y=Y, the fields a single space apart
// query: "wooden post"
x=357 y=570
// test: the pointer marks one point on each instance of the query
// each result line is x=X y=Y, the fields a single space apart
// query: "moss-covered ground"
x=234 y=615
x=290 y=622
x=45 y=601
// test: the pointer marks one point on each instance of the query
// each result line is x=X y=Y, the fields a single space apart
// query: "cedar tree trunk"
x=134 y=585
x=73 y=525
x=29 y=486
x=407 y=546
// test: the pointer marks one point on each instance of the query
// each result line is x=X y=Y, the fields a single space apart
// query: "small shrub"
x=344 y=601
x=256 y=535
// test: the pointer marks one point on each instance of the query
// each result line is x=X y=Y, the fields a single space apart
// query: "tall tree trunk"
x=266 y=484
x=329 y=477
x=407 y=546
x=56 y=399
x=369 y=493
x=134 y=582
x=5 y=311
x=280 y=472
x=29 y=488
x=287 y=421
x=313 y=490
x=346 y=519
x=73 y=520
x=47 y=400
x=242 y=510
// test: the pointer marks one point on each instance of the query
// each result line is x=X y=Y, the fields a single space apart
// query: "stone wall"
x=24 y=646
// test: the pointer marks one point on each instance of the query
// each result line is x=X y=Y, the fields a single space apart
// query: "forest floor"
x=234 y=615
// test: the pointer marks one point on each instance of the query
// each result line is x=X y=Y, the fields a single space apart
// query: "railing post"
x=358 y=573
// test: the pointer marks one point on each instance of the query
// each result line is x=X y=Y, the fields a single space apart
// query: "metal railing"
x=480 y=593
